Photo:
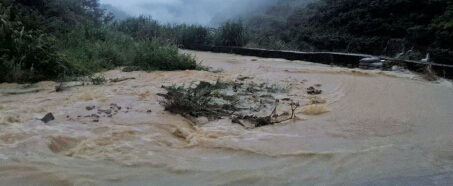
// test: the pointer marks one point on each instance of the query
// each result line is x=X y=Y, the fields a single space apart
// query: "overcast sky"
x=173 y=11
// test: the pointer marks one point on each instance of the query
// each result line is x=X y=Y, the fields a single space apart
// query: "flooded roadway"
x=375 y=128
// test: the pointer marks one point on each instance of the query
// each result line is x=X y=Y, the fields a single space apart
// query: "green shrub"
x=139 y=28
x=193 y=35
x=105 y=51
x=27 y=55
x=151 y=56
x=231 y=33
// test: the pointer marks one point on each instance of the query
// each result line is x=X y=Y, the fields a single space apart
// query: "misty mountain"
x=254 y=9
x=118 y=13
x=173 y=11
x=240 y=9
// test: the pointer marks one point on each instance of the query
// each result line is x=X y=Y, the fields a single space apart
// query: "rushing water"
x=376 y=128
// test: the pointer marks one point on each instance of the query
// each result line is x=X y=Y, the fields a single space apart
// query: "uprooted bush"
x=247 y=105
x=197 y=101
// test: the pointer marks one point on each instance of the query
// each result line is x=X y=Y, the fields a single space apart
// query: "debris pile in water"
x=248 y=104
x=200 y=100
x=94 y=115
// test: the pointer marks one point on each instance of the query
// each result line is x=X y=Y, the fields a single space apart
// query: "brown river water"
x=376 y=128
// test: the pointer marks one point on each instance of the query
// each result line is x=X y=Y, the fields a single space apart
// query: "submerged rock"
x=90 y=107
x=313 y=91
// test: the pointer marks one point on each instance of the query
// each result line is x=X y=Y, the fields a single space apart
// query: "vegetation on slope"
x=379 y=27
x=404 y=28
x=52 y=39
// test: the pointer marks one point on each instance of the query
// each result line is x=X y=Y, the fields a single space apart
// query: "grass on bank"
x=29 y=56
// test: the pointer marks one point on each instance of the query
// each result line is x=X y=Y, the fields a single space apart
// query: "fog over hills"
x=173 y=11
x=247 y=10
x=205 y=12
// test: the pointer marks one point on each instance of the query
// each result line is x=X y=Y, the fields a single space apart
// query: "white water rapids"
x=376 y=128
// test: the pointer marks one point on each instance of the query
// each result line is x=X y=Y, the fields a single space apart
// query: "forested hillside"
x=379 y=27
x=268 y=27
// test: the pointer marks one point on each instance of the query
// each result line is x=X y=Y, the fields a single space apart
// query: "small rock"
x=149 y=111
x=95 y=116
x=286 y=99
x=90 y=107
x=49 y=117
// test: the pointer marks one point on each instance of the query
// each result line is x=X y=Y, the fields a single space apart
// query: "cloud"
x=173 y=11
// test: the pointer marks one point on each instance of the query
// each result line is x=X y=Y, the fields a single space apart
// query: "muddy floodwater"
x=370 y=128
